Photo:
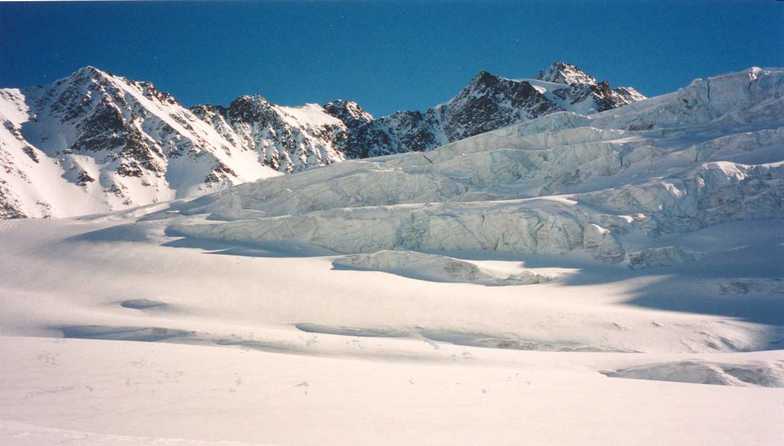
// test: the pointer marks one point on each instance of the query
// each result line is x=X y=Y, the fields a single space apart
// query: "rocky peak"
x=88 y=72
x=78 y=94
x=249 y=109
x=489 y=102
x=630 y=94
x=349 y=112
x=151 y=92
x=585 y=89
x=566 y=73
x=91 y=75
x=483 y=80
x=487 y=86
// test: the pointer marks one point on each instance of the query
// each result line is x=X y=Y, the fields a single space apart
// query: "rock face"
x=95 y=142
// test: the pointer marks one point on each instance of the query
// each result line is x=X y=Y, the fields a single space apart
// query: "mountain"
x=294 y=139
x=619 y=186
x=96 y=142
x=487 y=103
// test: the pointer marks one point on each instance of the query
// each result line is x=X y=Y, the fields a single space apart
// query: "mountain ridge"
x=96 y=141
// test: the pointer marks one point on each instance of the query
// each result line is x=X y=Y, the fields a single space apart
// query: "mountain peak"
x=485 y=79
x=89 y=72
x=566 y=73
x=350 y=112
x=255 y=108
x=89 y=69
x=250 y=98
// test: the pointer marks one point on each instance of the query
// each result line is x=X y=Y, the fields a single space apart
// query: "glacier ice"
x=556 y=185
x=431 y=267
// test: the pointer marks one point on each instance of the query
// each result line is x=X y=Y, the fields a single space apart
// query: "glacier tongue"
x=561 y=184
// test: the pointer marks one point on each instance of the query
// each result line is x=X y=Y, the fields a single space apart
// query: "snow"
x=641 y=260
x=21 y=434
x=308 y=115
x=363 y=357
x=39 y=187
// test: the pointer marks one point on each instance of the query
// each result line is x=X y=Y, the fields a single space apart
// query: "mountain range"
x=96 y=142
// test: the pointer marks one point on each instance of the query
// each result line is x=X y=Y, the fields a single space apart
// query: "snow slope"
x=231 y=318
x=235 y=344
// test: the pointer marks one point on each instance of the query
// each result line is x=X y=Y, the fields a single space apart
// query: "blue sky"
x=388 y=56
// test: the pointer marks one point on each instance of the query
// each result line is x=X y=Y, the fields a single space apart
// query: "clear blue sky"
x=387 y=56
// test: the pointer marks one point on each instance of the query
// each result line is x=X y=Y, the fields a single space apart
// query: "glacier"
x=600 y=185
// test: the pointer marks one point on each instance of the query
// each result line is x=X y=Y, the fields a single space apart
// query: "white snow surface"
x=293 y=310
x=113 y=333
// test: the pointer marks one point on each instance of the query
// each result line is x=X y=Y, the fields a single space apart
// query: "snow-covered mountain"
x=612 y=185
x=287 y=139
x=487 y=103
x=95 y=142
x=294 y=139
